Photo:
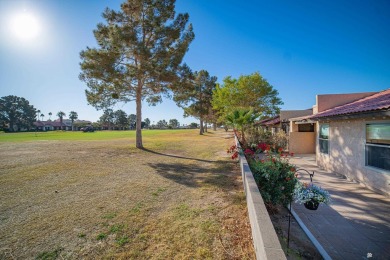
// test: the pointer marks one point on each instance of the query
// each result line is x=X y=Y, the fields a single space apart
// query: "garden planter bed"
x=268 y=231
x=265 y=240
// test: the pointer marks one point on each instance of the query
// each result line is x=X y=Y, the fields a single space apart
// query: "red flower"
x=248 y=151
x=292 y=154
x=292 y=169
x=280 y=150
x=262 y=146
x=234 y=156
x=273 y=160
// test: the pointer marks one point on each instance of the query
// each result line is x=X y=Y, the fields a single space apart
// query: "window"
x=378 y=145
x=323 y=139
x=306 y=128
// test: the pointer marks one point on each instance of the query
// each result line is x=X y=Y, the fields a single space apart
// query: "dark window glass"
x=323 y=139
x=305 y=128
x=324 y=146
x=378 y=156
x=378 y=145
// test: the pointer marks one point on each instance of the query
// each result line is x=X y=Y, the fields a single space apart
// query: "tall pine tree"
x=195 y=95
x=139 y=55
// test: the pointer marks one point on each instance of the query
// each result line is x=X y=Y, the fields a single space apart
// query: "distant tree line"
x=17 y=114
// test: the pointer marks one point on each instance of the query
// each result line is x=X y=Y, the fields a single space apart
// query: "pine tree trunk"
x=205 y=127
x=215 y=126
x=201 y=131
x=138 y=135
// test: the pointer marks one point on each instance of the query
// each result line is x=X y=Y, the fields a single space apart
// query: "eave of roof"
x=273 y=121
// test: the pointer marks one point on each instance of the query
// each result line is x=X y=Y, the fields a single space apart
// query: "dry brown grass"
x=180 y=198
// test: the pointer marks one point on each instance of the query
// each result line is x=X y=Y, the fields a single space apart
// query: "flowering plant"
x=305 y=192
x=234 y=151
x=274 y=175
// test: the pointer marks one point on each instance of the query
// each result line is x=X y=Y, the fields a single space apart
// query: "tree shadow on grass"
x=215 y=174
x=177 y=156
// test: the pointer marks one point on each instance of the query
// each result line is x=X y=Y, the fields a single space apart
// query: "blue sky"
x=302 y=48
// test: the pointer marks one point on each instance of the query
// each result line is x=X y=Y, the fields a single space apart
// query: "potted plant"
x=311 y=195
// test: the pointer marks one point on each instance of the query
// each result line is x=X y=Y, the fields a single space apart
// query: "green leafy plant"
x=122 y=240
x=116 y=228
x=274 y=175
x=240 y=119
x=255 y=135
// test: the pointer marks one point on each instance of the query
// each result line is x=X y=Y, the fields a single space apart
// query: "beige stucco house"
x=354 y=140
x=352 y=136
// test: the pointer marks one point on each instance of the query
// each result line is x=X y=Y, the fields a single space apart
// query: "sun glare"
x=25 y=26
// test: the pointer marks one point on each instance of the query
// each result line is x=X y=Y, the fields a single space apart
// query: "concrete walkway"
x=356 y=225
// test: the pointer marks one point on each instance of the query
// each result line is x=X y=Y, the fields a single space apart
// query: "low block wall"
x=265 y=240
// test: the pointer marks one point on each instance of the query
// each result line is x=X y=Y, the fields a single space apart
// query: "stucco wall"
x=327 y=101
x=287 y=114
x=347 y=154
x=302 y=142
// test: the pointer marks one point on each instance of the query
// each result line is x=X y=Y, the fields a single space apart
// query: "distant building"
x=56 y=125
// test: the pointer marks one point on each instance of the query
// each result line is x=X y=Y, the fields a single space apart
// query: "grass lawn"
x=79 y=195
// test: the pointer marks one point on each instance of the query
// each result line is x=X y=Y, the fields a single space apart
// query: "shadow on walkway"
x=357 y=223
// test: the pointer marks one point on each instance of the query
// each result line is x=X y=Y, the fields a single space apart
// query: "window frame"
x=374 y=144
x=324 y=139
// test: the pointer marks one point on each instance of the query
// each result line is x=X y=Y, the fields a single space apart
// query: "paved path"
x=356 y=225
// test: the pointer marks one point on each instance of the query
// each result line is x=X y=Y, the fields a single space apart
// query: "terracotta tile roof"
x=378 y=101
x=48 y=123
x=274 y=121
x=267 y=121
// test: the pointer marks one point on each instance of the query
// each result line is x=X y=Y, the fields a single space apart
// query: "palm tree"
x=61 y=115
x=42 y=115
x=38 y=111
x=50 y=113
x=73 y=116
x=240 y=118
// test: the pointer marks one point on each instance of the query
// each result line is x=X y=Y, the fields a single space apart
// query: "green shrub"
x=255 y=135
x=275 y=177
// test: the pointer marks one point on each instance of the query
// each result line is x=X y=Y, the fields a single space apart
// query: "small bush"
x=275 y=177
x=255 y=135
